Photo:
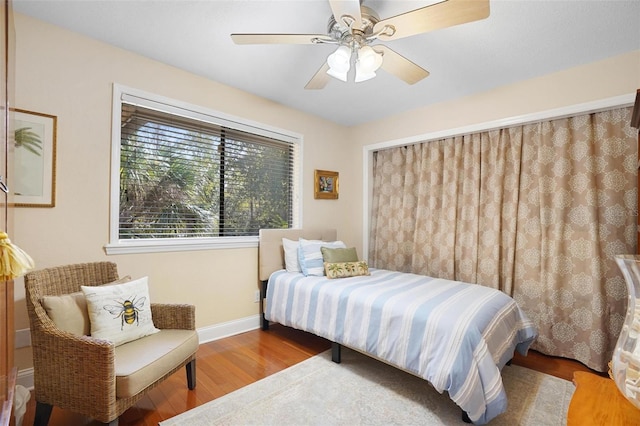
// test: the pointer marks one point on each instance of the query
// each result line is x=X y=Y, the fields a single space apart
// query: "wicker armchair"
x=77 y=372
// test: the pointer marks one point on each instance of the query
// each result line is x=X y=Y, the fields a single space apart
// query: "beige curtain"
x=537 y=211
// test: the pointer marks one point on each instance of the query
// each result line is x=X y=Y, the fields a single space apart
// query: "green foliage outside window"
x=179 y=182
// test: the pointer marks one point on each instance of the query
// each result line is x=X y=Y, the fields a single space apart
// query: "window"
x=189 y=178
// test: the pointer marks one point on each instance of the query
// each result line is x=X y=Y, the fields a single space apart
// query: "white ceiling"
x=520 y=40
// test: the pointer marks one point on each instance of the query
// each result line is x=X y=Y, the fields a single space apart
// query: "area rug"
x=364 y=391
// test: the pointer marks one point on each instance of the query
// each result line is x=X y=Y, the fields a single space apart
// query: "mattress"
x=455 y=335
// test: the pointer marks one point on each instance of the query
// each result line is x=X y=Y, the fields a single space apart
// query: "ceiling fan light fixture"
x=363 y=75
x=353 y=27
x=367 y=64
x=337 y=74
x=339 y=63
x=369 y=59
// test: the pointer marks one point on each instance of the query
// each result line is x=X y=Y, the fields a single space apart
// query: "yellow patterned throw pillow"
x=346 y=269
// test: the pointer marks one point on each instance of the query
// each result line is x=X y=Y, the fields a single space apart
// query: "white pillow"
x=310 y=256
x=120 y=313
x=291 y=263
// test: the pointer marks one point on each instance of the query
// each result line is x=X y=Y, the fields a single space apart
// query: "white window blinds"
x=188 y=177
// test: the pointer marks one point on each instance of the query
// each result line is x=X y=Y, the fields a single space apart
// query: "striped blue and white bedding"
x=457 y=336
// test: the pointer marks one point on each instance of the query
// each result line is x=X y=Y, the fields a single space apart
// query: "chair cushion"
x=69 y=311
x=141 y=362
x=120 y=313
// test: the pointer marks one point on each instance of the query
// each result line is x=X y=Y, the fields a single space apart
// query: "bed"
x=456 y=336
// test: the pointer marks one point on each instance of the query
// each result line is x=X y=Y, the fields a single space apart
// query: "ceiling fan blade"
x=436 y=16
x=398 y=65
x=351 y=8
x=320 y=79
x=280 y=38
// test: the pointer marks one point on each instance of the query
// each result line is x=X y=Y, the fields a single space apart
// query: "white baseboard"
x=229 y=328
x=205 y=334
x=25 y=378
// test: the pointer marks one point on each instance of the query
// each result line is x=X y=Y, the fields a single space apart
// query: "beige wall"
x=70 y=76
x=618 y=75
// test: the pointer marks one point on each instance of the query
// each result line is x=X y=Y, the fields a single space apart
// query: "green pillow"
x=338 y=255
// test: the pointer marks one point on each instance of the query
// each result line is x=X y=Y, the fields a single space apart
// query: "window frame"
x=128 y=246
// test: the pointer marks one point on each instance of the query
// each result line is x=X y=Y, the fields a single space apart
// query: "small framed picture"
x=34 y=138
x=326 y=185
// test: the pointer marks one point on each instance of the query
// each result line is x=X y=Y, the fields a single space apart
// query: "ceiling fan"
x=354 y=28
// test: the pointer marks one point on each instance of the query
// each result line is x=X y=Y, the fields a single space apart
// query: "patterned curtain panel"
x=537 y=211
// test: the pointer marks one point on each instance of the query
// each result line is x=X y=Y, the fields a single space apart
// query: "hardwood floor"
x=228 y=364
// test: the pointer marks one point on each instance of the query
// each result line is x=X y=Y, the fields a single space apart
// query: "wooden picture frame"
x=326 y=185
x=33 y=183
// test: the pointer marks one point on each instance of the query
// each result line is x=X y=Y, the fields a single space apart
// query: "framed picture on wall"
x=325 y=185
x=33 y=182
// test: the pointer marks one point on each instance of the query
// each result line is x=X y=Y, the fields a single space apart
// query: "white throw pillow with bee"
x=120 y=313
